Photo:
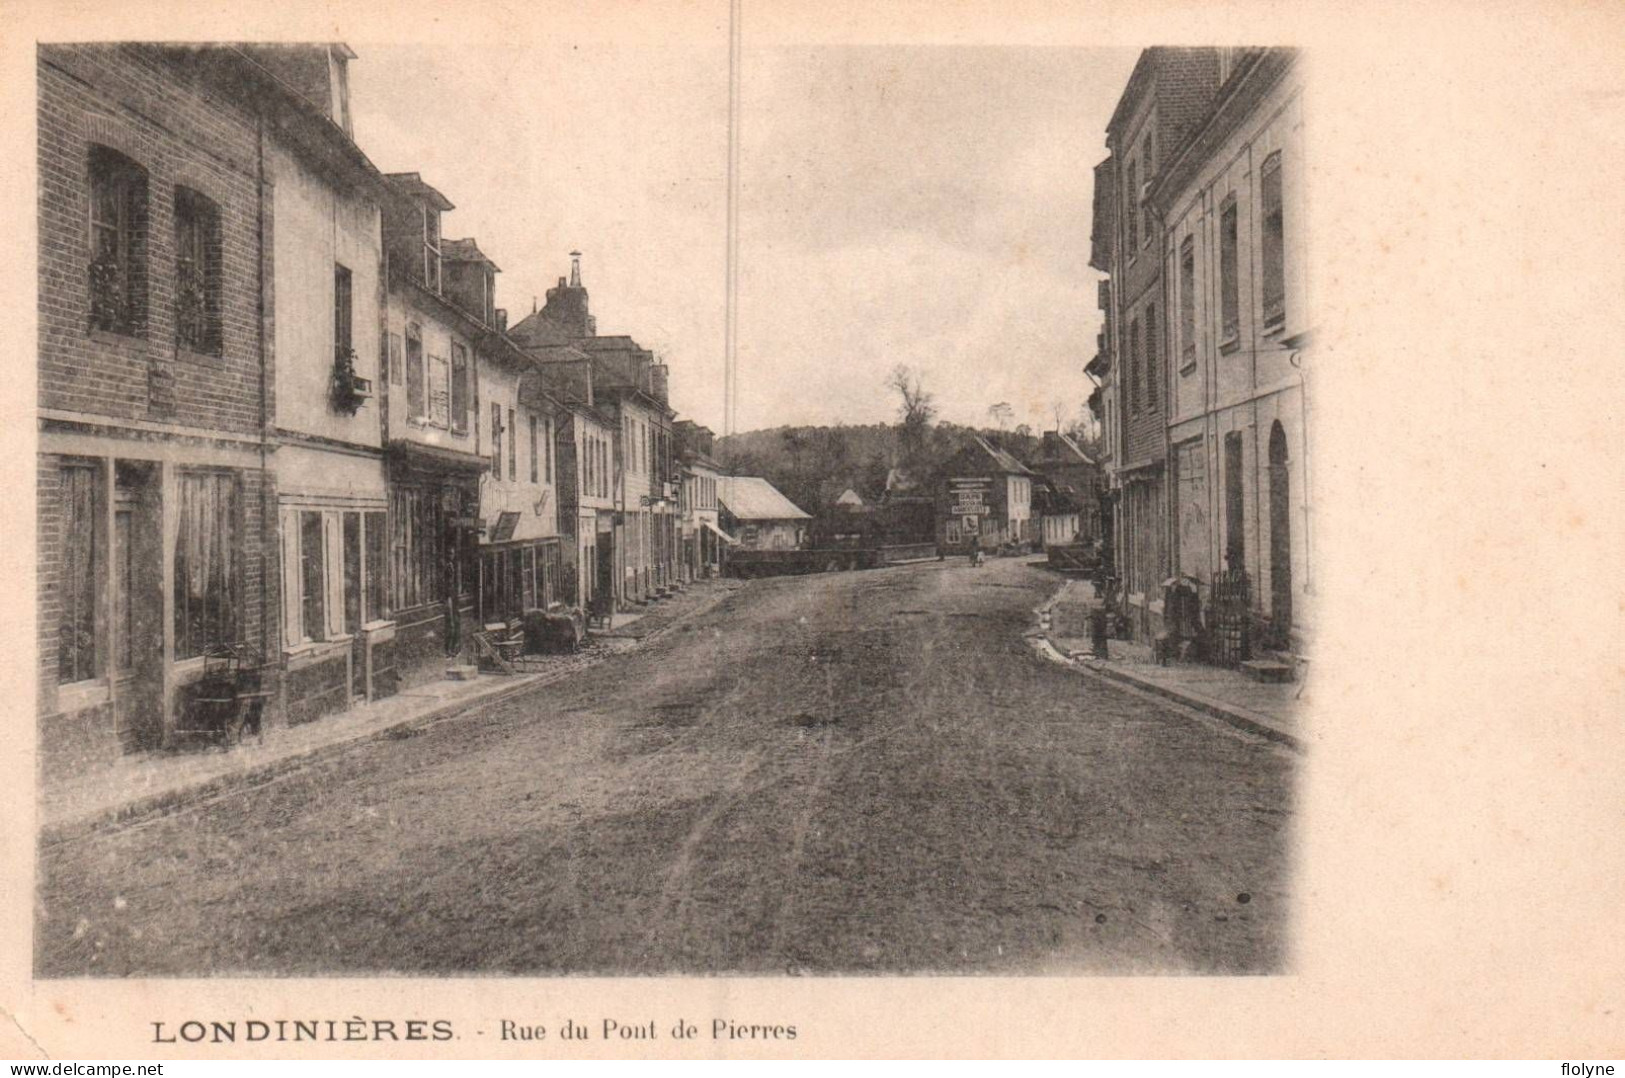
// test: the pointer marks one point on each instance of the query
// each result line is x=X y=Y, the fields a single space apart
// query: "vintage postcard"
x=734 y=529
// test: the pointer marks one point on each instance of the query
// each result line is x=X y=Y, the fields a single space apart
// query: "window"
x=1187 y=304
x=431 y=248
x=396 y=376
x=1153 y=358
x=418 y=542
x=197 y=272
x=1229 y=287
x=1131 y=212
x=1235 y=535
x=535 y=467
x=77 y=657
x=496 y=440
x=312 y=578
x=206 y=553
x=1274 y=270
x=513 y=447
x=118 y=243
x=1134 y=356
x=459 y=388
x=438 y=375
x=377 y=566
x=351 y=541
x=343 y=313
x=416 y=400
x=1148 y=165
x=547 y=452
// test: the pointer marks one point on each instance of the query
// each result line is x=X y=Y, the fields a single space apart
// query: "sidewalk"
x=143 y=784
x=1273 y=711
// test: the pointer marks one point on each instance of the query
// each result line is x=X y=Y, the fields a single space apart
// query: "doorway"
x=1280 y=539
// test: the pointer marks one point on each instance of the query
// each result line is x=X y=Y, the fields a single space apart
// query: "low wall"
x=890 y=555
x=753 y=563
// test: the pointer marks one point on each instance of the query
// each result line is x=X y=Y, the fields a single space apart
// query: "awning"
x=724 y=536
x=436 y=458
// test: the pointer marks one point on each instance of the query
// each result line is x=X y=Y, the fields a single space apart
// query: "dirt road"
x=852 y=772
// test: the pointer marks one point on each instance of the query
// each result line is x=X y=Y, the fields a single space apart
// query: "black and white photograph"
x=868 y=577
x=682 y=500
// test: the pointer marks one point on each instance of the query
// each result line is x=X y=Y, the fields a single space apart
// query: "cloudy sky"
x=920 y=205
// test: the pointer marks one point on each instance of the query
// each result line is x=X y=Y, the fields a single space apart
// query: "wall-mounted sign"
x=504 y=529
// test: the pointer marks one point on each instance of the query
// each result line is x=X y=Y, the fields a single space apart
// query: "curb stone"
x=1231 y=714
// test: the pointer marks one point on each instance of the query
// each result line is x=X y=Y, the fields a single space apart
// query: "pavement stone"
x=1271 y=710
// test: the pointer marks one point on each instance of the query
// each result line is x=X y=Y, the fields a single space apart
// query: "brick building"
x=1167 y=93
x=159 y=373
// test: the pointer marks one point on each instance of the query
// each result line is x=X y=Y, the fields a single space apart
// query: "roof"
x=753 y=498
x=535 y=330
x=411 y=183
x=1004 y=460
x=465 y=251
x=1058 y=447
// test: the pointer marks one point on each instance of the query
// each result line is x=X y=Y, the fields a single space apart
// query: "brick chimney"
x=566 y=305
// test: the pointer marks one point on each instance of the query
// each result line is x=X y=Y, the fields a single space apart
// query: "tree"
x=1001 y=414
x=918 y=405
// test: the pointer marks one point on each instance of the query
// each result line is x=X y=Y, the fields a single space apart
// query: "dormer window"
x=431 y=248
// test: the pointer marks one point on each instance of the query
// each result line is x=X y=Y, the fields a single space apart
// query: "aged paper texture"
x=1452 y=871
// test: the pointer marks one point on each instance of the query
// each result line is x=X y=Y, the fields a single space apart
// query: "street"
x=864 y=772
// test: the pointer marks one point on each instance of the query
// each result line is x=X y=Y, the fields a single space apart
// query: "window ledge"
x=123 y=342
x=211 y=358
x=1229 y=344
x=1188 y=368
x=1275 y=328
x=311 y=652
x=82 y=695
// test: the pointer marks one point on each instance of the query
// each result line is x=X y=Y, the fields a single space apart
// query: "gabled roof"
x=534 y=331
x=1058 y=447
x=411 y=183
x=465 y=251
x=1005 y=462
x=753 y=498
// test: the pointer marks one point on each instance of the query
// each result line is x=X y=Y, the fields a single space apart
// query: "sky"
x=922 y=205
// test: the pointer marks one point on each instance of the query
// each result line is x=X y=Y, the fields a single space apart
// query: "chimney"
x=575 y=269
x=502 y=320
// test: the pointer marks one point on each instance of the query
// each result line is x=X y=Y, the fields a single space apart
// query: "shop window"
x=118 y=243
x=418 y=545
x=377 y=566
x=351 y=542
x=312 y=578
x=197 y=272
x=207 y=546
x=78 y=650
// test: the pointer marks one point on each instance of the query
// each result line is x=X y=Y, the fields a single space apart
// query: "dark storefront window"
x=81 y=540
x=312 y=577
x=377 y=545
x=206 y=570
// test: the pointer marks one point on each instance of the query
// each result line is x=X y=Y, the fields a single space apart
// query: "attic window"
x=431 y=248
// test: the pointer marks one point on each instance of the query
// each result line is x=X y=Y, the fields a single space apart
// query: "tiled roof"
x=465 y=251
x=752 y=498
x=411 y=183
